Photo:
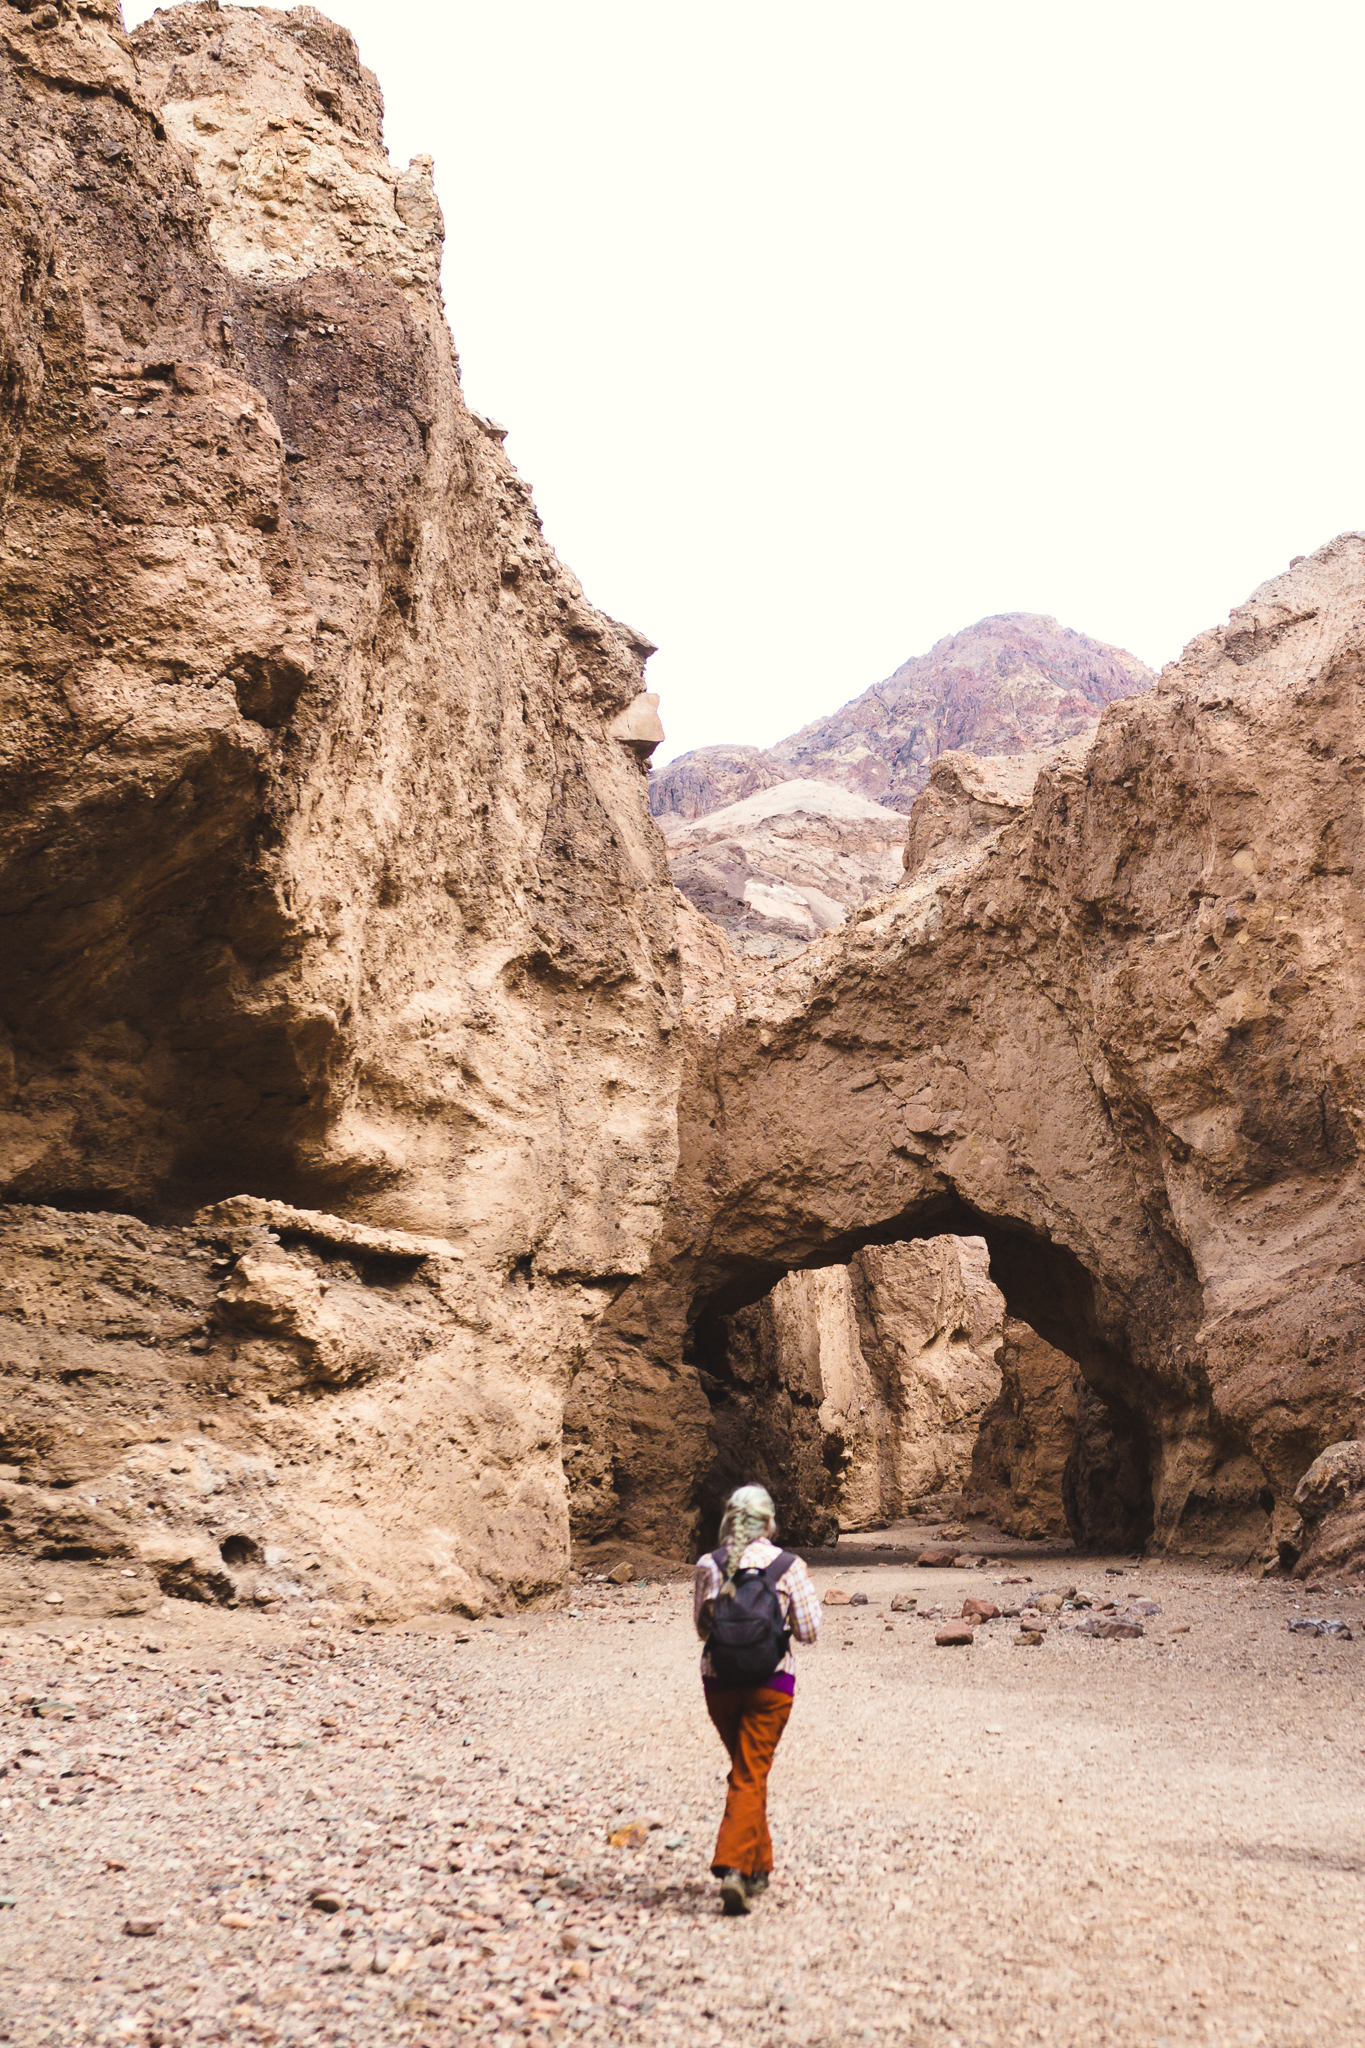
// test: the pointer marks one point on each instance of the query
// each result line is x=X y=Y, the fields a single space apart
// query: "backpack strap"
x=780 y=1565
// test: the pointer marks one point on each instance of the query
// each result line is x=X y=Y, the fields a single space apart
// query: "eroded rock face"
x=1117 y=1035
x=326 y=864
x=1331 y=1500
x=1027 y=1438
x=636 y=1422
x=786 y=863
x=272 y=1401
x=853 y=1391
x=968 y=798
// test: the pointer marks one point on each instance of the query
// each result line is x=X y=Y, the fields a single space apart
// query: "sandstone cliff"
x=1006 y=685
x=351 y=1199
x=786 y=863
x=326 y=865
x=1117 y=1035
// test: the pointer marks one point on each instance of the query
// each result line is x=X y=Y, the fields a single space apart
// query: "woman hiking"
x=749 y=1600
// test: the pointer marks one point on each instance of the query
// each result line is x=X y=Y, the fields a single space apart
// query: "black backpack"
x=749 y=1638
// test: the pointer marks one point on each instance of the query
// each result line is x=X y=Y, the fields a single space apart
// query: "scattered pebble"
x=387 y=1839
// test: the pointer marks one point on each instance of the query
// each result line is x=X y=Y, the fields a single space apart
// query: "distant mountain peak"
x=1009 y=684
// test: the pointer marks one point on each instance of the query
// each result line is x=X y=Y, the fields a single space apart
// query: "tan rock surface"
x=1026 y=1439
x=1330 y=1499
x=785 y=863
x=1118 y=1037
x=636 y=1420
x=326 y=866
x=968 y=798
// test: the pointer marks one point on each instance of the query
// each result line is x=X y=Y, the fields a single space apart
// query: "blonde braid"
x=749 y=1512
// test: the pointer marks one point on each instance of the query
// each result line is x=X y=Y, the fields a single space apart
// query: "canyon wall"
x=370 y=1193
x=1027 y=1438
x=339 y=1047
x=1116 y=1032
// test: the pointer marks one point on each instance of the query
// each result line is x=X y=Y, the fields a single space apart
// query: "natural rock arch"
x=1107 y=1023
x=1044 y=1286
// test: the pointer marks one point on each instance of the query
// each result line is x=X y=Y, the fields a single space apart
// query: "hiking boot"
x=734 y=1893
x=756 y=1885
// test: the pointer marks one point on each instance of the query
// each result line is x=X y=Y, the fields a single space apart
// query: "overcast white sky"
x=823 y=330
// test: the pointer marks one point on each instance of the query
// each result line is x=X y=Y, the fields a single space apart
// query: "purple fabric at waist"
x=781 y=1681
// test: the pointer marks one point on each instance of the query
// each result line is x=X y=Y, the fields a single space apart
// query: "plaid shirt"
x=795 y=1593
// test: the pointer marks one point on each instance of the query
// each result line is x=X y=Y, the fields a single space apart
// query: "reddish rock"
x=955 y=1636
x=975 y=1609
x=1007 y=685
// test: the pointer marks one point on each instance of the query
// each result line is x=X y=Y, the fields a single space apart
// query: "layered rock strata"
x=326 y=866
x=1116 y=1034
x=786 y=863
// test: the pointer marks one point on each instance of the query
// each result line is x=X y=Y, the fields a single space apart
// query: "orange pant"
x=749 y=1722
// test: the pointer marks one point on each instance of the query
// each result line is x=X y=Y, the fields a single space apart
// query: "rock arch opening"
x=941 y=1358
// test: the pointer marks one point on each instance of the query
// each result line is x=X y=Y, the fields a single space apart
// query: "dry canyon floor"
x=1141 y=1842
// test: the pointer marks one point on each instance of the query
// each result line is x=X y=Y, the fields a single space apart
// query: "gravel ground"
x=1146 y=1842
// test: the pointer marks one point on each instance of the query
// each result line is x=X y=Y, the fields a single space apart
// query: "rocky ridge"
x=1007 y=685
